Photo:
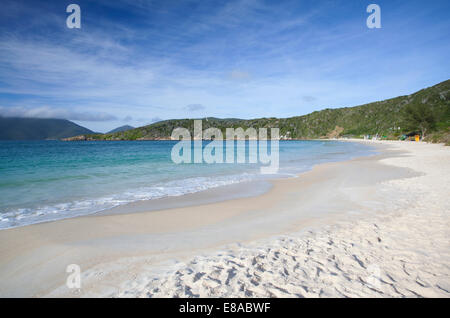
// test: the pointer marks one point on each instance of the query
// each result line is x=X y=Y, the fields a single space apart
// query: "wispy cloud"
x=51 y=112
x=239 y=75
x=308 y=98
x=242 y=58
x=195 y=107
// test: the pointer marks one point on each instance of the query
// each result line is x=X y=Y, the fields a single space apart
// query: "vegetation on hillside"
x=121 y=128
x=426 y=111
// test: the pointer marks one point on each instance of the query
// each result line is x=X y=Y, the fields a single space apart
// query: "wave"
x=27 y=216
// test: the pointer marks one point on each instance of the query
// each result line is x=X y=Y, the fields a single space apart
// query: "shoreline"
x=218 y=194
x=161 y=236
x=247 y=187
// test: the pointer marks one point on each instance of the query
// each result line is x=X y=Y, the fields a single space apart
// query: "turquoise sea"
x=49 y=180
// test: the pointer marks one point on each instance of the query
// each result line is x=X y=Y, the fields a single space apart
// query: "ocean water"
x=49 y=180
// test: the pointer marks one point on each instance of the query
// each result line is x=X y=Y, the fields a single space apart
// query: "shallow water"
x=49 y=180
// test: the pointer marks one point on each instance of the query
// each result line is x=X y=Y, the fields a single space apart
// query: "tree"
x=419 y=117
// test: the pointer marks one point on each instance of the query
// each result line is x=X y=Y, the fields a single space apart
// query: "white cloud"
x=277 y=61
x=51 y=112
x=308 y=98
x=239 y=75
x=195 y=107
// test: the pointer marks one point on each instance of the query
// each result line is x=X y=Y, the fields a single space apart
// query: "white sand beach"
x=375 y=226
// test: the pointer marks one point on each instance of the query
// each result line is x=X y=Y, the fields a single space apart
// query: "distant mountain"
x=15 y=128
x=386 y=118
x=120 y=129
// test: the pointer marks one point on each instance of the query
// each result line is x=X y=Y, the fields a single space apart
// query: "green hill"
x=383 y=118
x=14 y=128
x=120 y=129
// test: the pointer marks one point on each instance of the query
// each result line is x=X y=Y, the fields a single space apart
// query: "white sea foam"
x=26 y=216
x=52 y=190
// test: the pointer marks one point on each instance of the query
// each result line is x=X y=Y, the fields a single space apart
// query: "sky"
x=138 y=62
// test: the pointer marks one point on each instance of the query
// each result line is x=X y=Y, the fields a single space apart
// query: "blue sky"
x=136 y=62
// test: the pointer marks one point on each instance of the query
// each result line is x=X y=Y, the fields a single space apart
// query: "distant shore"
x=372 y=226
